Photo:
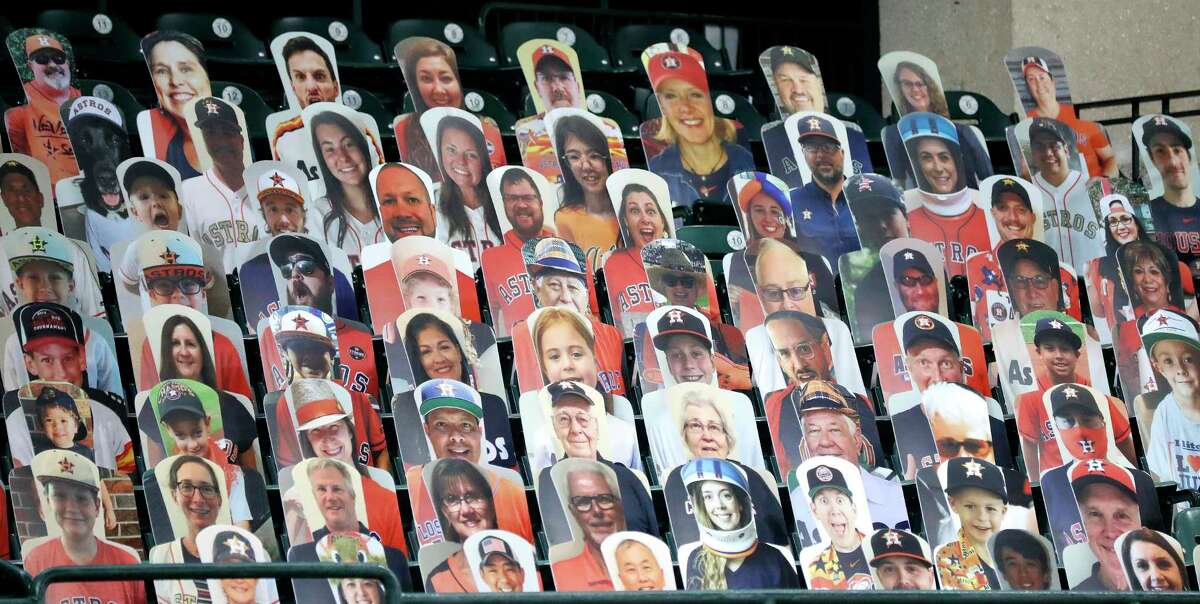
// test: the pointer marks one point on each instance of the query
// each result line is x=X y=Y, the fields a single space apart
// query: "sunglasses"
x=46 y=57
x=975 y=447
x=306 y=266
x=1038 y=282
x=678 y=281
x=909 y=281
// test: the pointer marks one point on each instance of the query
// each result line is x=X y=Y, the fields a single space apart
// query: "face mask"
x=1085 y=443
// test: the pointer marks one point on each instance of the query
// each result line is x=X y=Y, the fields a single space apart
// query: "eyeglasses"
x=912 y=84
x=530 y=198
x=696 y=426
x=820 y=148
x=575 y=158
x=306 y=266
x=584 y=503
x=910 y=281
x=454 y=502
x=442 y=427
x=564 y=420
x=679 y=281
x=775 y=294
x=1038 y=282
x=46 y=57
x=1125 y=219
x=975 y=447
x=188 y=489
x=804 y=350
x=188 y=286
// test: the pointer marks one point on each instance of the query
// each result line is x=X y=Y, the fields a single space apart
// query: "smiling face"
x=50 y=69
x=225 y=146
x=958 y=437
x=1060 y=359
x=244 y=591
x=437 y=84
x=335 y=497
x=824 y=157
x=404 y=205
x=556 y=84
x=22 y=198
x=1154 y=568
x=178 y=76
x=60 y=425
x=835 y=511
x=587 y=164
x=361 y=591
x=799 y=89
x=461 y=160
x=74 y=507
x=1021 y=572
x=783 y=282
x=597 y=523
x=682 y=289
x=523 y=208
x=979 y=512
x=704 y=431
x=1049 y=158
x=565 y=355
x=932 y=363
x=1041 y=86
x=1107 y=512
x=1013 y=218
x=57 y=362
x=44 y=281
x=440 y=354
x=311 y=77
x=578 y=432
x=467 y=508
x=1033 y=288
x=283 y=214
x=1120 y=224
x=199 y=510
x=830 y=433
x=688 y=110
x=913 y=88
x=558 y=288
x=154 y=204
x=721 y=504
x=1172 y=160
x=190 y=434
x=898 y=573
x=643 y=221
x=342 y=155
x=937 y=164
x=1179 y=364
x=428 y=291
x=918 y=290
x=186 y=352
x=1151 y=285
x=334 y=441
x=453 y=433
x=502 y=574
x=689 y=359
x=637 y=567
x=767 y=217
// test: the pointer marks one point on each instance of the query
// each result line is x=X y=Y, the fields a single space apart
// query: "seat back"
x=856 y=109
x=592 y=56
x=354 y=48
x=976 y=109
x=471 y=49
x=629 y=41
x=226 y=39
x=96 y=36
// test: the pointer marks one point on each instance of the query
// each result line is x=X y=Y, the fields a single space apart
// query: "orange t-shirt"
x=51 y=554
x=585 y=572
x=231 y=375
x=37 y=129
x=508 y=503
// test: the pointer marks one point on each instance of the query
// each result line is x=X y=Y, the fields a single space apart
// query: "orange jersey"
x=383 y=515
x=1033 y=424
x=610 y=354
x=356 y=360
x=506 y=283
x=231 y=375
x=957 y=237
x=629 y=294
x=1088 y=136
x=51 y=554
x=37 y=129
x=368 y=433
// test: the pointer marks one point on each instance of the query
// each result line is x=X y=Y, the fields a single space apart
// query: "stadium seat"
x=979 y=110
x=226 y=39
x=592 y=56
x=856 y=109
x=119 y=96
x=609 y=106
x=488 y=104
x=366 y=102
x=1187 y=531
x=714 y=240
x=628 y=42
x=470 y=47
x=354 y=49
x=249 y=101
x=95 y=36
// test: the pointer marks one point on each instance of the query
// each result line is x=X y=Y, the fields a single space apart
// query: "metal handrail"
x=811 y=596
x=265 y=570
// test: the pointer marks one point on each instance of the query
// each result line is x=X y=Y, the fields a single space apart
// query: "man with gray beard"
x=822 y=216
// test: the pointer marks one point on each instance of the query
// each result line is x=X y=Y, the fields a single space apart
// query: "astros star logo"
x=301 y=321
x=423 y=260
x=276 y=179
x=806 y=214
x=1056 y=324
x=864 y=185
x=908 y=255
x=814 y=123
x=670 y=62
x=1070 y=392
x=169 y=256
x=446 y=389
x=547 y=49
x=1009 y=182
x=1163 y=320
x=892 y=538
x=66 y=466
x=236 y=546
x=974 y=468
x=38 y=245
x=43 y=40
x=1160 y=121
x=211 y=107
x=1023 y=247
x=787 y=50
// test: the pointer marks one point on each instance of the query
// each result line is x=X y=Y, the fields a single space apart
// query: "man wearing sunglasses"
x=1058 y=350
x=916 y=284
x=36 y=128
x=822 y=216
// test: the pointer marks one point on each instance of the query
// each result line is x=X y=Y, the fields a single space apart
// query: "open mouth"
x=806 y=375
x=159 y=218
x=801 y=97
x=181 y=98
x=692 y=122
x=405 y=227
x=458 y=451
x=314 y=97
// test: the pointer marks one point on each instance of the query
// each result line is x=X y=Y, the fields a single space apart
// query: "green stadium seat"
x=856 y=109
x=226 y=39
x=609 y=106
x=1187 y=530
x=488 y=104
x=365 y=101
x=354 y=48
x=974 y=108
x=250 y=102
x=713 y=240
x=592 y=56
x=95 y=36
x=629 y=41
x=470 y=47
x=118 y=95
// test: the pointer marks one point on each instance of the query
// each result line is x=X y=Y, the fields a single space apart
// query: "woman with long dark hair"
x=467 y=218
x=1152 y=563
x=184 y=354
x=431 y=73
x=585 y=215
x=345 y=161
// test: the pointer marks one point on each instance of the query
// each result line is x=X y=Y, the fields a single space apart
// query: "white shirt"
x=1174 y=444
x=622 y=446
x=109 y=437
x=88 y=301
x=357 y=236
x=102 y=232
x=484 y=237
x=1083 y=238
x=769 y=377
x=219 y=216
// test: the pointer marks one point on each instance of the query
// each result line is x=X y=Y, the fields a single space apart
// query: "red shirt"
x=231 y=375
x=1033 y=424
x=509 y=289
x=51 y=554
x=368 y=432
x=957 y=237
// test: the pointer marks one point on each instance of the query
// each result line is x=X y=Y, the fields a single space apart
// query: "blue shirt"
x=686 y=187
x=824 y=225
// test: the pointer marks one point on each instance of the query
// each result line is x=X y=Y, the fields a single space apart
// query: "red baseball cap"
x=675 y=64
